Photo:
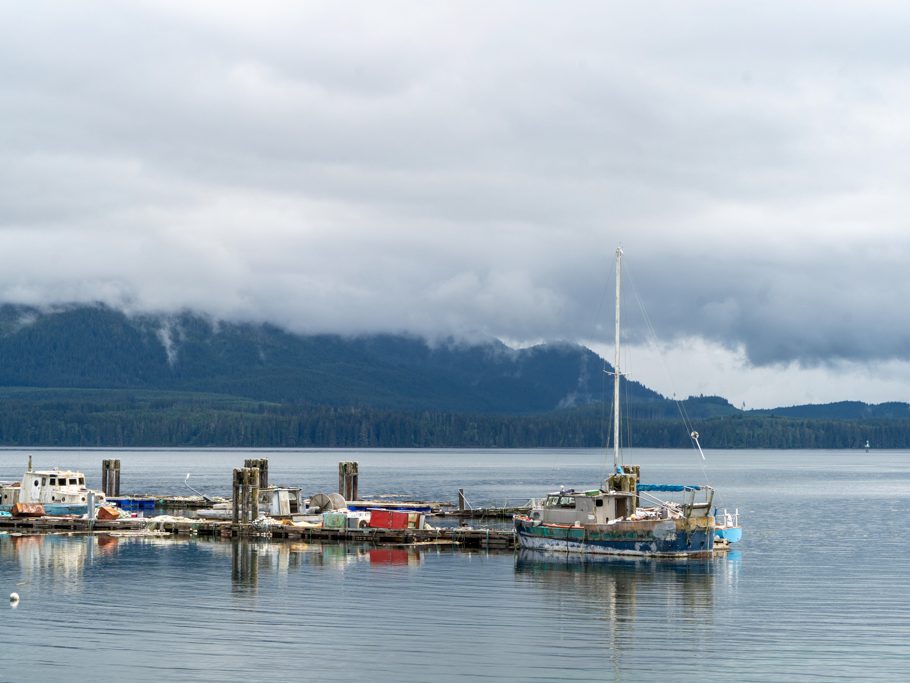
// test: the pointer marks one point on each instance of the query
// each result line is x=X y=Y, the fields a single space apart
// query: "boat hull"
x=679 y=538
x=731 y=534
x=56 y=509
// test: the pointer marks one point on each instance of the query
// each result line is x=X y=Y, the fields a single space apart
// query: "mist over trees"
x=92 y=376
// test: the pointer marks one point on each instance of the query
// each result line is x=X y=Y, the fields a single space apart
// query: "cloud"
x=467 y=168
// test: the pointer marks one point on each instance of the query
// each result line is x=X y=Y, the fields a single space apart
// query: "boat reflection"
x=622 y=588
x=61 y=558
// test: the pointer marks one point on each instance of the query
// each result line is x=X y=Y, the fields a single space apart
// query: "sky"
x=468 y=169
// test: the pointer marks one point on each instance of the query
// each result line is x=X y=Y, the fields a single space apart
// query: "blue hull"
x=669 y=538
x=731 y=534
x=55 y=509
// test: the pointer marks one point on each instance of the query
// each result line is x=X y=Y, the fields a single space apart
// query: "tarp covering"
x=668 y=487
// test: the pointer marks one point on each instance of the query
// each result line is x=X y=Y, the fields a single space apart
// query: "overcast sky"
x=468 y=169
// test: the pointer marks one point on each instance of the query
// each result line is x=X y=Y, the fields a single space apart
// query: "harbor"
x=259 y=509
x=223 y=607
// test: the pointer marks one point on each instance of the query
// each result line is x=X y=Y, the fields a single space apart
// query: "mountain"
x=97 y=347
x=93 y=376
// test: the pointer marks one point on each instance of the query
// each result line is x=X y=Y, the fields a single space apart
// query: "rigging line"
x=652 y=339
x=627 y=394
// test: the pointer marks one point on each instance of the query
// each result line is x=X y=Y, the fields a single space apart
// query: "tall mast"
x=616 y=430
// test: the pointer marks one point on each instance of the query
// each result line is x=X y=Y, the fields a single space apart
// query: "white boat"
x=274 y=501
x=621 y=516
x=60 y=492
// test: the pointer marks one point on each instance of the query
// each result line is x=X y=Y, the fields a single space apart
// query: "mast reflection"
x=622 y=588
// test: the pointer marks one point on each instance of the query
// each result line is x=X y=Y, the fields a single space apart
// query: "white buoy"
x=13 y=598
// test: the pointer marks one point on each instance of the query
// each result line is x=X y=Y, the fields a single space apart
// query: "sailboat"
x=621 y=516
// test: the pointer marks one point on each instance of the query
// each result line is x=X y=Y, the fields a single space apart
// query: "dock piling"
x=110 y=477
x=461 y=500
x=348 y=476
x=263 y=465
x=254 y=492
x=245 y=501
x=235 y=496
x=245 y=497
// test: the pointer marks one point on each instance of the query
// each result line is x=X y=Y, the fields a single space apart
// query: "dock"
x=456 y=536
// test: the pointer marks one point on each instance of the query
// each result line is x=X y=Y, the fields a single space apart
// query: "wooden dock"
x=458 y=536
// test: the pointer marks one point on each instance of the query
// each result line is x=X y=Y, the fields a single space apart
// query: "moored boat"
x=59 y=491
x=621 y=516
x=611 y=521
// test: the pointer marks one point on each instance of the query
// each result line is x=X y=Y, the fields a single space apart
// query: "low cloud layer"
x=468 y=168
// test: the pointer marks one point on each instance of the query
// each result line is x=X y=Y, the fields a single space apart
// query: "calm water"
x=819 y=589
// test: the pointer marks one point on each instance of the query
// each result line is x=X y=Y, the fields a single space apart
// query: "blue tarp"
x=668 y=487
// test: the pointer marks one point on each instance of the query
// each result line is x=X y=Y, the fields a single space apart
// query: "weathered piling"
x=461 y=500
x=263 y=465
x=348 y=480
x=254 y=474
x=245 y=509
x=235 y=496
x=110 y=477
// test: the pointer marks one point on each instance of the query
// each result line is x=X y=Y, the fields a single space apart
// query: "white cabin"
x=61 y=487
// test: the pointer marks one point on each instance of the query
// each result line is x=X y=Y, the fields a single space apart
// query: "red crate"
x=380 y=519
x=390 y=519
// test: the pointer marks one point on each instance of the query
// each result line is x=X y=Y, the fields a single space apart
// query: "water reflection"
x=251 y=557
x=62 y=558
x=614 y=587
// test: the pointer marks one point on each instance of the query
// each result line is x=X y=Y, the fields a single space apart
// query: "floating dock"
x=459 y=536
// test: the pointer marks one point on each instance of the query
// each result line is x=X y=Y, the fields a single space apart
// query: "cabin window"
x=81 y=481
x=552 y=501
x=567 y=502
x=73 y=482
x=53 y=481
x=44 y=481
x=599 y=502
x=36 y=482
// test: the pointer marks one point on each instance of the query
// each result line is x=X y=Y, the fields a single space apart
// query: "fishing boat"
x=622 y=516
x=58 y=491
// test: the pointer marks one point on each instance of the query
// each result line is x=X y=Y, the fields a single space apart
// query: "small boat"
x=60 y=492
x=621 y=516
x=726 y=526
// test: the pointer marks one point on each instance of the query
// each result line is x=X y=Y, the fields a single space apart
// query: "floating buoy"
x=13 y=598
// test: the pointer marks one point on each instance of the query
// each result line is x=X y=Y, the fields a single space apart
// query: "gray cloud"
x=466 y=168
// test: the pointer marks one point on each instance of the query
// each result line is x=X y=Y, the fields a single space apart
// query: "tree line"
x=172 y=422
